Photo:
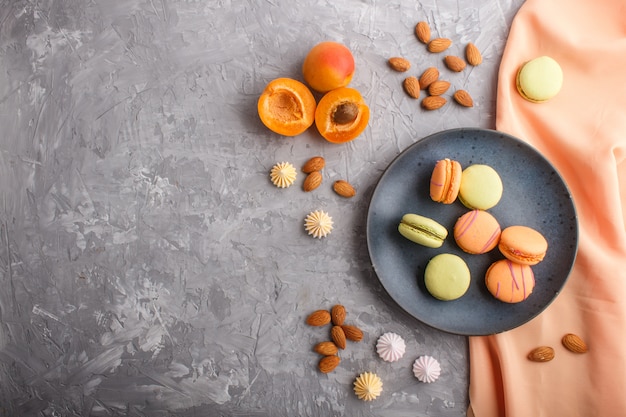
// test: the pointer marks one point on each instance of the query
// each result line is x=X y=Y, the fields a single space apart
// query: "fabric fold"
x=582 y=132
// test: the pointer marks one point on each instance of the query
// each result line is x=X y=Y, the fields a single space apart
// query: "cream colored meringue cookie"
x=283 y=174
x=426 y=369
x=368 y=386
x=318 y=224
x=390 y=347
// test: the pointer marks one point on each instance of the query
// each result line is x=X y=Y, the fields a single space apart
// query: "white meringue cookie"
x=390 y=347
x=426 y=369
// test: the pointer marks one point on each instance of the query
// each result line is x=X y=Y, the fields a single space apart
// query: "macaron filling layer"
x=421 y=229
x=521 y=257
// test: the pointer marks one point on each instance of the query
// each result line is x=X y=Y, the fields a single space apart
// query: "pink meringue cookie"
x=390 y=347
x=426 y=369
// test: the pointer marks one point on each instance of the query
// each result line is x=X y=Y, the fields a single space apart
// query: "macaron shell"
x=445 y=181
x=422 y=230
x=477 y=232
x=509 y=281
x=523 y=244
x=447 y=277
x=539 y=79
x=481 y=187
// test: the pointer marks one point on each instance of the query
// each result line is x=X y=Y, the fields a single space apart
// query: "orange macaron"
x=510 y=282
x=477 y=232
x=445 y=181
x=523 y=244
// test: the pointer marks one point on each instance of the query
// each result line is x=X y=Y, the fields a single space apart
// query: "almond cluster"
x=340 y=333
x=313 y=167
x=570 y=341
x=429 y=80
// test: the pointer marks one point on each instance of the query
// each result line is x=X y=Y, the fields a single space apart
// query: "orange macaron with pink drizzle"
x=477 y=232
x=509 y=281
x=445 y=181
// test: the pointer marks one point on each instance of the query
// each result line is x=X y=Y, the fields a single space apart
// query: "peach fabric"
x=582 y=131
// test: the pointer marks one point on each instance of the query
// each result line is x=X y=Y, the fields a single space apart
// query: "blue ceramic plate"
x=534 y=195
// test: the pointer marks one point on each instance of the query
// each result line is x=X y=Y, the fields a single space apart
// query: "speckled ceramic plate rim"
x=403 y=188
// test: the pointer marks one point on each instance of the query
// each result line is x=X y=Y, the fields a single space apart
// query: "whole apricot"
x=341 y=115
x=287 y=107
x=327 y=66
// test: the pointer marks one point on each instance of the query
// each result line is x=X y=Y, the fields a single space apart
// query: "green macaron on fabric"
x=540 y=79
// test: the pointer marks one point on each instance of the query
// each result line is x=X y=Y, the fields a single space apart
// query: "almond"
x=338 y=336
x=318 y=318
x=412 y=86
x=472 y=54
x=429 y=76
x=328 y=364
x=344 y=189
x=438 y=87
x=352 y=332
x=463 y=98
x=541 y=354
x=574 y=343
x=433 y=102
x=399 y=64
x=422 y=31
x=439 y=45
x=338 y=314
x=326 y=348
x=312 y=181
x=316 y=163
x=454 y=63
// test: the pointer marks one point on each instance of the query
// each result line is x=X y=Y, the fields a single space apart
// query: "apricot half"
x=341 y=115
x=287 y=107
x=327 y=66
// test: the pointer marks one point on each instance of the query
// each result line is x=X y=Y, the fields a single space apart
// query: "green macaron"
x=422 y=230
x=539 y=79
x=447 y=277
x=481 y=187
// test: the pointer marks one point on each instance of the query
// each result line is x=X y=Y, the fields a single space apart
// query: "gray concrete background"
x=148 y=267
